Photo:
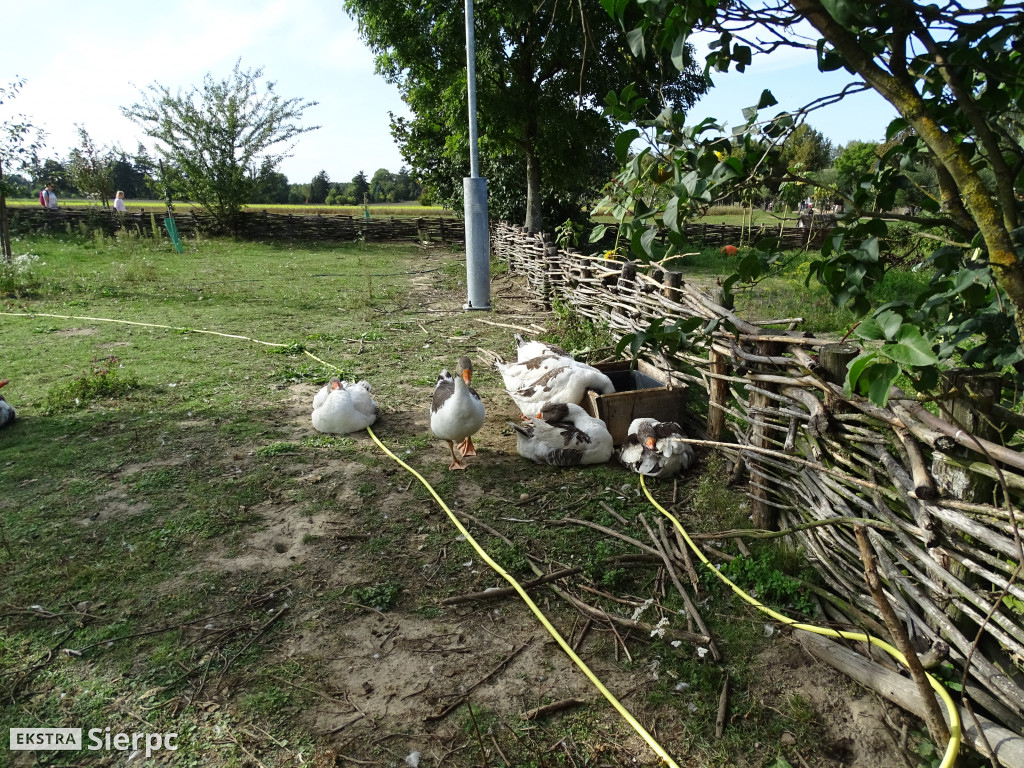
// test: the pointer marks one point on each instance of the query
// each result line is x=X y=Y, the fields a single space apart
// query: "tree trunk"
x=5 y=235
x=534 y=217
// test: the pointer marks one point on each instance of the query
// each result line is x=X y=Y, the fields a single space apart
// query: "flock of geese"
x=546 y=383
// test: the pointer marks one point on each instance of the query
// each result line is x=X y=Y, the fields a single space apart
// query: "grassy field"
x=181 y=552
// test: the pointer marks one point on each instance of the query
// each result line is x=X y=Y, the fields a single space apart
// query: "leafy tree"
x=213 y=137
x=91 y=167
x=855 y=160
x=56 y=171
x=406 y=188
x=954 y=74
x=541 y=71
x=20 y=142
x=318 y=188
x=271 y=187
x=807 y=148
x=359 y=188
x=382 y=186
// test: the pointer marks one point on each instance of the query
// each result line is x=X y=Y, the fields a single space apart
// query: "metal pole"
x=474 y=192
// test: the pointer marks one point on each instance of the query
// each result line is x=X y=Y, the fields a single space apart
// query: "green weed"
x=380 y=597
x=105 y=381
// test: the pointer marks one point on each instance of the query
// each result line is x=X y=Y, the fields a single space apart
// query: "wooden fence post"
x=718 y=392
x=835 y=359
x=764 y=514
x=672 y=281
x=968 y=414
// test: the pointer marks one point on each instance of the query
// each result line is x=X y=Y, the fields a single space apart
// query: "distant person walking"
x=48 y=198
x=119 y=202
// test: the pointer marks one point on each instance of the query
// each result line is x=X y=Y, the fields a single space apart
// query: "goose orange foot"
x=456 y=461
x=466 y=447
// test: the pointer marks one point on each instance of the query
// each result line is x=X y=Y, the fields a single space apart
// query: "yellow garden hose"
x=949 y=759
x=954 y=725
x=537 y=612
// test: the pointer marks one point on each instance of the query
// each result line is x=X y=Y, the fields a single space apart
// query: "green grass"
x=129 y=515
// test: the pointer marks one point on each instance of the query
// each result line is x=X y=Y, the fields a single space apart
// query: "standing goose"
x=456 y=412
x=653 y=448
x=7 y=412
x=345 y=407
x=563 y=435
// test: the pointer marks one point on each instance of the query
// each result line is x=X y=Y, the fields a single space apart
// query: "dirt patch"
x=75 y=332
x=853 y=718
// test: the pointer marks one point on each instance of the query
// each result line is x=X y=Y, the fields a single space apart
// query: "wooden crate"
x=639 y=393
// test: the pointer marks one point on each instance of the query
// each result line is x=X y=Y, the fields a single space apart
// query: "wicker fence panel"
x=941 y=494
x=250 y=225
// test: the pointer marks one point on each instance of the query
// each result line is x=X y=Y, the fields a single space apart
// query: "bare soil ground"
x=329 y=640
x=453 y=683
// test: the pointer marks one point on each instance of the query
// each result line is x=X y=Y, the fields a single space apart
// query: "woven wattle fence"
x=249 y=225
x=939 y=493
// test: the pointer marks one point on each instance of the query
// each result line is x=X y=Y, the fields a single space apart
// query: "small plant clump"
x=380 y=597
x=574 y=331
x=105 y=381
x=18 y=276
x=763 y=572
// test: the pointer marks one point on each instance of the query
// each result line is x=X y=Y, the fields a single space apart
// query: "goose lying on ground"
x=529 y=349
x=344 y=408
x=565 y=384
x=522 y=374
x=7 y=412
x=653 y=448
x=563 y=435
x=456 y=412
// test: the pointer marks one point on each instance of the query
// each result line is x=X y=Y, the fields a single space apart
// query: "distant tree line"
x=94 y=171
x=384 y=187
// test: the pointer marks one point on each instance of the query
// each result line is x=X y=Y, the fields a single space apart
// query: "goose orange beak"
x=649 y=442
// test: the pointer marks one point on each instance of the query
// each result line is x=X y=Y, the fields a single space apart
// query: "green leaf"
x=635 y=39
x=856 y=368
x=911 y=348
x=671 y=215
x=869 y=329
x=766 y=100
x=889 y=322
x=680 y=53
x=880 y=379
x=646 y=239
x=622 y=144
x=598 y=232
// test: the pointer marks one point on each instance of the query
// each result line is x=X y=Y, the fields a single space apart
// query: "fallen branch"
x=557 y=706
x=723 y=699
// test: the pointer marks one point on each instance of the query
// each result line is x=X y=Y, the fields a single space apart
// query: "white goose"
x=522 y=374
x=653 y=448
x=456 y=411
x=563 y=435
x=344 y=408
x=565 y=384
x=7 y=412
x=529 y=349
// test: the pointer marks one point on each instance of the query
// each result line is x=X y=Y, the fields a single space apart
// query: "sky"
x=83 y=61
